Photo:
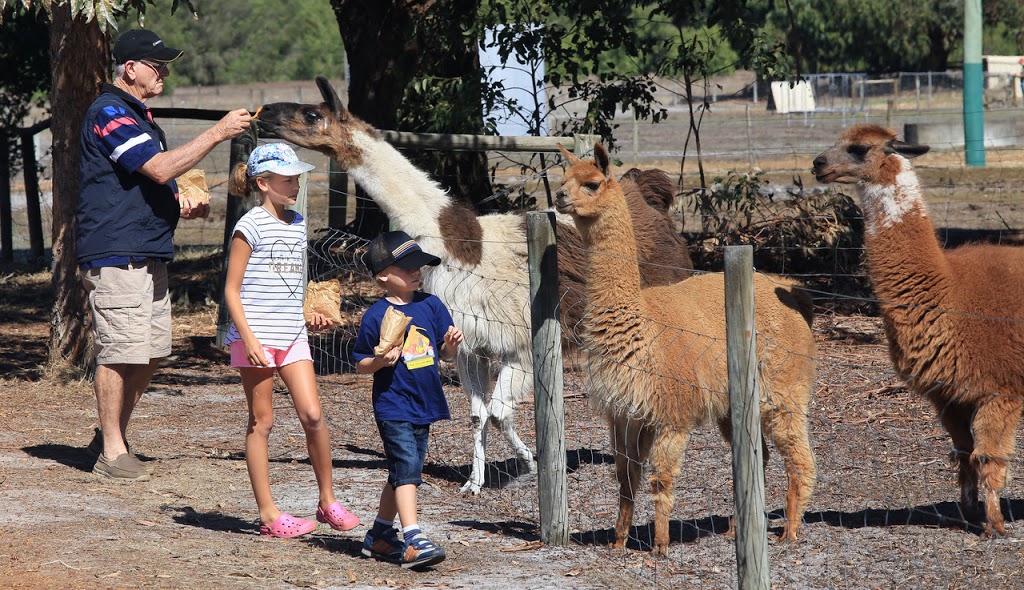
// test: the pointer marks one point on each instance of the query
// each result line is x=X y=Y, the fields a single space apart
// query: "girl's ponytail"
x=240 y=184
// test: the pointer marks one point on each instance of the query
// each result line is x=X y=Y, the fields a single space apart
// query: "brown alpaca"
x=657 y=360
x=483 y=279
x=954 y=319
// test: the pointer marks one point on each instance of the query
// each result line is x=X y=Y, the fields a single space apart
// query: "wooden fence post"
x=337 y=195
x=32 y=195
x=744 y=402
x=552 y=488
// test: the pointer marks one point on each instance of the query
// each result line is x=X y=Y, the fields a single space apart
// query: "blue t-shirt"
x=411 y=390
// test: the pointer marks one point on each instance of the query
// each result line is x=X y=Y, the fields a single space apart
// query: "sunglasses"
x=160 y=68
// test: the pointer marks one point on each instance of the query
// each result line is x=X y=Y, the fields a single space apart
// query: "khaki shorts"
x=131 y=312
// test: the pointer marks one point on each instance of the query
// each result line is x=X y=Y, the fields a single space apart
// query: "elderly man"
x=128 y=209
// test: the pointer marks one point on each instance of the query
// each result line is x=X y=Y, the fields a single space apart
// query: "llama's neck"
x=613 y=273
x=406 y=194
x=905 y=261
x=890 y=204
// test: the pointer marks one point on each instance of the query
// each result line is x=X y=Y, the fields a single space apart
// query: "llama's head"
x=584 y=193
x=327 y=127
x=865 y=154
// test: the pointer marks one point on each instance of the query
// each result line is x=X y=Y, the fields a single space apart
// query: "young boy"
x=407 y=394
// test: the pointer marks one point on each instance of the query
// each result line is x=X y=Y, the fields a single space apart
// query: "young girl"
x=263 y=293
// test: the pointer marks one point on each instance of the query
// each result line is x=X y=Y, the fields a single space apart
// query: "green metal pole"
x=974 y=85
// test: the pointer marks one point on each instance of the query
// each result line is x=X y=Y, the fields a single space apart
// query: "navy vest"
x=122 y=213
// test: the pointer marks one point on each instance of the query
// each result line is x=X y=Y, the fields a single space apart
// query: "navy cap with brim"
x=139 y=44
x=414 y=260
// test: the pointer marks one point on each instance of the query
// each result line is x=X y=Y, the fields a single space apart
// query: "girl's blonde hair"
x=240 y=183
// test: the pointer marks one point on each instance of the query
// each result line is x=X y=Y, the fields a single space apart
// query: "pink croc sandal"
x=287 y=526
x=336 y=516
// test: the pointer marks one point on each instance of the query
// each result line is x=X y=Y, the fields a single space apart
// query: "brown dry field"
x=884 y=514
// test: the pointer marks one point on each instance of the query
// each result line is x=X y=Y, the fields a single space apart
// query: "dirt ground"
x=884 y=513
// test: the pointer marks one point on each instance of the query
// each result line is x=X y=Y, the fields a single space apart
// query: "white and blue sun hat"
x=277 y=158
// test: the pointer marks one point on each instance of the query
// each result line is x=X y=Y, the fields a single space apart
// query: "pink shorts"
x=298 y=351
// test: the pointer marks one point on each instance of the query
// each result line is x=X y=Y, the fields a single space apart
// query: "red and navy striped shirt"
x=122 y=214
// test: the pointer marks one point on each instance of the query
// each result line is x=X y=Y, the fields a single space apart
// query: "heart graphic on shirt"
x=286 y=262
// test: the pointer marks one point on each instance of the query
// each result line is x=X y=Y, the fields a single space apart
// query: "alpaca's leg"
x=514 y=383
x=995 y=424
x=474 y=373
x=957 y=422
x=631 y=444
x=666 y=455
x=787 y=427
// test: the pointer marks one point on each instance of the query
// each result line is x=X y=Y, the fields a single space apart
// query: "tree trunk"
x=78 y=57
x=389 y=44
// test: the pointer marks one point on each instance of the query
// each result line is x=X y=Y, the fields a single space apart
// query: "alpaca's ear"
x=569 y=156
x=330 y=96
x=907 y=150
x=602 y=160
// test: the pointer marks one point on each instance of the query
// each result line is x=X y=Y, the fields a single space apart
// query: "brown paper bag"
x=392 y=330
x=192 y=185
x=324 y=298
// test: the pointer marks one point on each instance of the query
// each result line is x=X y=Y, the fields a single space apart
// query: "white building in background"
x=1007 y=68
x=793 y=98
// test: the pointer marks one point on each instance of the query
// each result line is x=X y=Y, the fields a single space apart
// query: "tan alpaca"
x=483 y=278
x=657 y=360
x=954 y=318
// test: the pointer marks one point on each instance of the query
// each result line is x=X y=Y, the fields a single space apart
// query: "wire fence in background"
x=885 y=510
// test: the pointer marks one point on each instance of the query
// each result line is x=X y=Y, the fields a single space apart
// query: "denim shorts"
x=405 y=446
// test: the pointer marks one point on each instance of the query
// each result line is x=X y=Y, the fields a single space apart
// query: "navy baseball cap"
x=139 y=44
x=396 y=248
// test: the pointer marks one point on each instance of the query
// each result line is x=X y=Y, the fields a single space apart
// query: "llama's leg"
x=474 y=372
x=631 y=444
x=786 y=424
x=513 y=384
x=666 y=455
x=995 y=424
x=957 y=422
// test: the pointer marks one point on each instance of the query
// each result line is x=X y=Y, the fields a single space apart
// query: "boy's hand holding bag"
x=392 y=331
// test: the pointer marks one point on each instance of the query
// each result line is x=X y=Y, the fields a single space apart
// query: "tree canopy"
x=247 y=42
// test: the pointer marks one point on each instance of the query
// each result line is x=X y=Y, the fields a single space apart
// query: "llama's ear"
x=330 y=96
x=569 y=156
x=602 y=160
x=907 y=150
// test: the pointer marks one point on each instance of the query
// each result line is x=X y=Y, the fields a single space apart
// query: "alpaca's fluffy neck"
x=406 y=194
x=889 y=204
x=908 y=268
x=613 y=273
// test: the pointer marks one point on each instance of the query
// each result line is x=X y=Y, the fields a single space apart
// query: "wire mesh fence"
x=885 y=511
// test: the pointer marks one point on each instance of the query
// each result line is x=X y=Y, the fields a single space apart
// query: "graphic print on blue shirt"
x=417 y=352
